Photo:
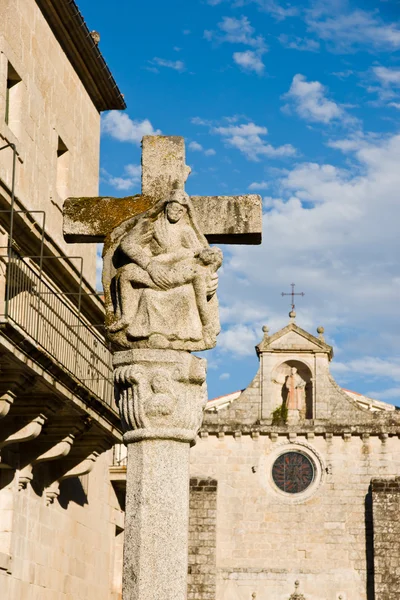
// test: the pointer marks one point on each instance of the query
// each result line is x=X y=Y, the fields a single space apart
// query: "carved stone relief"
x=160 y=393
x=160 y=280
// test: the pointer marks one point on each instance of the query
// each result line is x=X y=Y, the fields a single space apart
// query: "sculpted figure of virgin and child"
x=160 y=280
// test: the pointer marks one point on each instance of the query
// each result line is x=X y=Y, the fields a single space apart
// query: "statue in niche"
x=160 y=280
x=296 y=391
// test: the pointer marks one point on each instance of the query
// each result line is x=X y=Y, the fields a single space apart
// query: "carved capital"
x=161 y=394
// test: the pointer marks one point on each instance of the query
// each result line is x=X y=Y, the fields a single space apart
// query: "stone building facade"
x=292 y=458
x=61 y=513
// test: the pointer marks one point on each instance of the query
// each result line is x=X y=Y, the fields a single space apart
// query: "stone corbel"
x=6 y=399
x=84 y=467
x=27 y=433
x=58 y=451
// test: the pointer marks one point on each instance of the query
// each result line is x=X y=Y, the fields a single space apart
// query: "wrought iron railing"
x=56 y=326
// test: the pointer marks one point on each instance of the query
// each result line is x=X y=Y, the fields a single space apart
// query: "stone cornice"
x=69 y=27
x=328 y=431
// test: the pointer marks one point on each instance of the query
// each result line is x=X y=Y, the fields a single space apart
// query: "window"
x=62 y=169
x=293 y=472
x=13 y=99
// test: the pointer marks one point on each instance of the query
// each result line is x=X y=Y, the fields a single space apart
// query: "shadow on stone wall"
x=71 y=490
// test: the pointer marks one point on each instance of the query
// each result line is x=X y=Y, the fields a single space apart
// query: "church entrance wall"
x=267 y=539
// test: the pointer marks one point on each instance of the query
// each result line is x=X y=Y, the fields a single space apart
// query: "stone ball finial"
x=292 y=314
x=95 y=37
x=265 y=329
x=320 y=330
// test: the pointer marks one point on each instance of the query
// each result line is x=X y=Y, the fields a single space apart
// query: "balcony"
x=50 y=326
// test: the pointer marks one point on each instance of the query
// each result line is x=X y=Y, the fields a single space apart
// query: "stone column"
x=161 y=395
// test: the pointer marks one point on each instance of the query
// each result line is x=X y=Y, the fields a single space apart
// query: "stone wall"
x=266 y=540
x=202 y=539
x=67 y=550
x=386 y=525
x=50 y=102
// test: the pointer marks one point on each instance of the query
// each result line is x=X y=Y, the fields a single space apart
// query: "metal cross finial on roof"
x=293 y=294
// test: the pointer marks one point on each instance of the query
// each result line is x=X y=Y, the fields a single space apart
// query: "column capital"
x=161 y=394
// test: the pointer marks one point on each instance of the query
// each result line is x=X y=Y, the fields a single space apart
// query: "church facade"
x=294 y=490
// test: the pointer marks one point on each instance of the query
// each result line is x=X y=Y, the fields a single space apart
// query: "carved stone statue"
x=296 y=398
x=160 y=280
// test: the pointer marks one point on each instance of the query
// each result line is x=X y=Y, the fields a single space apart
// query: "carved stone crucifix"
x=160 y=282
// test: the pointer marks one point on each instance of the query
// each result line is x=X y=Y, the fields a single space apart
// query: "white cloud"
x=334 y=232
x=249 y=61
x=224 y=376
x=347 y=30
x=99 y=267
x=196 y=147
x=176 y=65
x=261 y=185
x=238 y=340
x=310 y=102
x=121 y=127
x=130 y=180
x=297 y=43
x=370 y=366
x=121 y=183
x=200 y=121
x=276 y=9
x=388 y=394
x=385 y=83
x=387 y=76
x=247 y=138
x=238 y=31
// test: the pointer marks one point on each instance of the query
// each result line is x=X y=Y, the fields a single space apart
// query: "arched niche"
x=280 y=377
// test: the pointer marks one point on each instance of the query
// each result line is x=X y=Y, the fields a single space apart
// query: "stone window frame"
x=319 y=471
x=13 y=133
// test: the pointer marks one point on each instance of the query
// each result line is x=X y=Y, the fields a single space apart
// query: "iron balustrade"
x=56 y=327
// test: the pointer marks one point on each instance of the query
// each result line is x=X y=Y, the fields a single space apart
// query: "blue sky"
x=297 y=102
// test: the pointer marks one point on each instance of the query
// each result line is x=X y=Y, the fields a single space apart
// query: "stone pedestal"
x=156 y=522
x=161 y=395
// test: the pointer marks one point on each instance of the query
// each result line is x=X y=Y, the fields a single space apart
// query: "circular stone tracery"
x=293 y=472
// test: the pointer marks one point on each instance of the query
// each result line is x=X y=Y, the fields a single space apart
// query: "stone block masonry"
x=202 y=539
x=386 y=509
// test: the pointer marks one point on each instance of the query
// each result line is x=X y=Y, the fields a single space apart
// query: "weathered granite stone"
x=222 y=219
x=161 y=394
x=160 y=280
x=156 y=520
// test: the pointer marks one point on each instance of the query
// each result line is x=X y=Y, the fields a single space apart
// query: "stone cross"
x=223 y=219
x=159 y=279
